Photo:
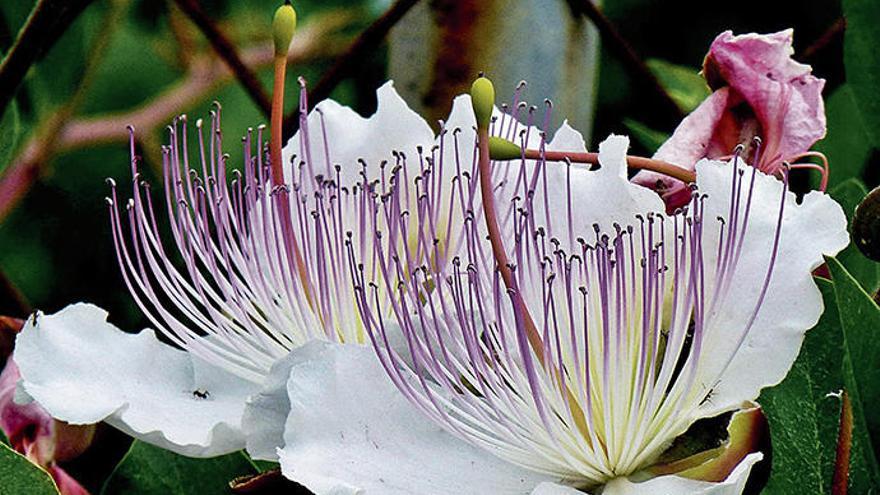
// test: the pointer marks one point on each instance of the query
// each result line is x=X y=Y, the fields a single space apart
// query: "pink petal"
x=67 y=485
x=693 y=139
x=760 y=91
x=782 y=93
x=29 y=429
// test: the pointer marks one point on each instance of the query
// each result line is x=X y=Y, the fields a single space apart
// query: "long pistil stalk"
x=502 y=149
x=283 y=27
x=483 y=98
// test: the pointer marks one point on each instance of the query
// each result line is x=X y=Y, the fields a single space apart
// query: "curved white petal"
x=394 y=127
x=351 y=431
x=602 y=196
x=792 y=303
x=676 y=485
x=550 y=488
x=83 y=370
x=266 y=412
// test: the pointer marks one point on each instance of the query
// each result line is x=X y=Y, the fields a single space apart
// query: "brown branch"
x=47 y=22
x=351 y=59
x=226 y=50
x=315 y=40
x=832 y=34
x=618 y=46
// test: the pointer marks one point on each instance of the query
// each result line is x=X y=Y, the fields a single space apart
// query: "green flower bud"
x=283 y=26
x=483 y=99
x=502 y=149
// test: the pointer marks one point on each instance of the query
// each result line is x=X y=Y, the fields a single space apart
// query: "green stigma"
x=483 y=99
x=502 y=149
x=283 y=26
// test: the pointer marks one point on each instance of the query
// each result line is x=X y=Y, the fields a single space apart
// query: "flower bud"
x=283 y=26
x=483 y=99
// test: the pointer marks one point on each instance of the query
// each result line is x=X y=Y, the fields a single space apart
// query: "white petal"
x=266 y=413
x=792 y=304
x=83 y=370
x=351 y=431
x=549 y=488
x=602 y=196
x=394 y=127
x=676 y=485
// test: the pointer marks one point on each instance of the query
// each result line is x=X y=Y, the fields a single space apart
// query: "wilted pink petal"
x=33 y=433
x=759 y=91
x=782 y=93
x=66 y=484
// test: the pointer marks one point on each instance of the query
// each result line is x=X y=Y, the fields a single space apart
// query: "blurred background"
x=144 y=61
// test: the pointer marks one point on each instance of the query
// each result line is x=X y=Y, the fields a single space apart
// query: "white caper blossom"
x=619 y=328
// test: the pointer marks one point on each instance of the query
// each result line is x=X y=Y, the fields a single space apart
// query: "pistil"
x=283 y=27
x=483 y=100
x=502 y=149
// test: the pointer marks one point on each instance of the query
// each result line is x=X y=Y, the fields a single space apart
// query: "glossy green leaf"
x=149 y=470
x=684 y=84
x=803 y=419
x=860 y=322
x=18 y=476
x=846 y=145
x=849 y=193
x=861 y=39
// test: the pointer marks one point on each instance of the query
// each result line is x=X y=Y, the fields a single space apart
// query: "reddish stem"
x=636 y=162
x=840 y=481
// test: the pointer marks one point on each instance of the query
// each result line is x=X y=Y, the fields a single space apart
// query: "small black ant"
x=709 y=394
x=201 y=394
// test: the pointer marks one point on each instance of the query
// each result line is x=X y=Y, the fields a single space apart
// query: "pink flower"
x=33 y=433
x=759 y=91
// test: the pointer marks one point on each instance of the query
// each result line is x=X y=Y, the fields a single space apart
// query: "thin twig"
x=47 y=132
x=47 y=22
x=832 y=34
x=315 y=40
x=353 y=56
x=618 y=46
x=226 y=50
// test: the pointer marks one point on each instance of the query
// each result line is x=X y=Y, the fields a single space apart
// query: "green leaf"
x=846 y=145
x=10 y=128
x=861 y=39
x=860 y=322
x=803 y=419
x=649 y=138
x=849 y=193
x=18 y=476
x=685 y=85
x=149 y=470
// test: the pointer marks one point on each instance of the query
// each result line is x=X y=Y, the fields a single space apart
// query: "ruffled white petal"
x=676 y=485
x=549 y=488
x=602 y=196
x=83 y=370
x=351 y=431
x=792 y=303
x=266 y=412
x=350 y=137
